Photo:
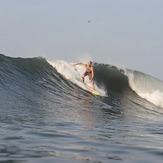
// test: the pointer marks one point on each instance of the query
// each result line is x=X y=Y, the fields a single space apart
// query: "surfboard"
x=90 y=89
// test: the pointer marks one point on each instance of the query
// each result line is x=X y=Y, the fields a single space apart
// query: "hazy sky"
x=128 y=33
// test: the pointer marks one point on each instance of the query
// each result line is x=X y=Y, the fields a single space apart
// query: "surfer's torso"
x=88 y=69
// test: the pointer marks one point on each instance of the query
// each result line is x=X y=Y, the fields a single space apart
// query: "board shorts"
x=89 y=74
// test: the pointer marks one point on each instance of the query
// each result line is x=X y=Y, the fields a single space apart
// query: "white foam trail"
x=73 y=73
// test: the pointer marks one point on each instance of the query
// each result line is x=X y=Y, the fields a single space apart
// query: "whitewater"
x=47 y=114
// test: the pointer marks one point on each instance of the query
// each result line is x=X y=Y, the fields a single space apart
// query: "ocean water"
x=47 y=115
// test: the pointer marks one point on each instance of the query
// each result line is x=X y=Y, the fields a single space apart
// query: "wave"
x=112 y=78
x=33 y=75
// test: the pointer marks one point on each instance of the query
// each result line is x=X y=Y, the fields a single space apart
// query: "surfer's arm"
x=79 y=64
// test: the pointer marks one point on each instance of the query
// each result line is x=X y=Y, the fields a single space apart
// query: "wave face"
x=122 y=80
x=111 y=77
x=146 y=86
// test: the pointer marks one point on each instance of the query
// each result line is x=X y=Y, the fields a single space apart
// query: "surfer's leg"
x=90 y=77
x=83 y=76
x=93 y=85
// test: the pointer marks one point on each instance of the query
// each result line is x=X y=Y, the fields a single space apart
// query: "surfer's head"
x=90 y=63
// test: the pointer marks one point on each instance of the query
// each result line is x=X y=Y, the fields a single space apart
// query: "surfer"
x=89 y=71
